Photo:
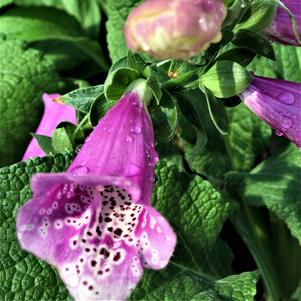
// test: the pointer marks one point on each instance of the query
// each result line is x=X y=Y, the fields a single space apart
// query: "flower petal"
x=278 y=103
x=54 y=113
x=94 y=234
x=122 y=144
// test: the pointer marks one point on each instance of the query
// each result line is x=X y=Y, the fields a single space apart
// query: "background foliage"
x=232 y=199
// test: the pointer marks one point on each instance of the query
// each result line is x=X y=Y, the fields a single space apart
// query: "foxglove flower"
x=281 y=29
x=278 y=103
x=95 y=223
x=175 y=29
x=54 y=113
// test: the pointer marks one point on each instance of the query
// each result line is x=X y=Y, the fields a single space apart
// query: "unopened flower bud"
x=175 y=29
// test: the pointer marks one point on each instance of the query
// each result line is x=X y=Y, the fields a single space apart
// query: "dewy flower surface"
x=54 y=113
x=281 y=29
x=175 y=29
x=278 y=103
x=94 y=223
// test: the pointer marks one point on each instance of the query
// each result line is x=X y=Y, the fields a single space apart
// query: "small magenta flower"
x=54 y=113
x=278 y=103
x=281 y=29
x=175 y=29
x=94 y=223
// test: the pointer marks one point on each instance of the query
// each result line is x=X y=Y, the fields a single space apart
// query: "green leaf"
x=178 y=285
x=153 y=83
x=117 y=82
x=39 y=24
x=248 y=137
x=287 y=65
x=289 y=59
x=225 y=79
x=86 y=12
x=197 y=216
x=164 y=117
x=260 y=15
x=274 y=184
x=23 y=276
x=136 y=61
x=81 y=99
x=254 y=42
x=44 y=143
x=217 y=112
x=24 y=76
x=61 y=141
x=241 y=56
x=208 y=157
x=117 y=12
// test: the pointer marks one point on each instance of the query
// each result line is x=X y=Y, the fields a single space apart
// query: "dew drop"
x=278 y=133
x=287 y=123
x=137 y=130
x=80 y=170
x=129 y=139
x=287 y=98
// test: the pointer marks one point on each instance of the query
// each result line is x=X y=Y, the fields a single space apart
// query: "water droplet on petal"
x=129 y=139
x=134 y=170
x=278 y=133
x=287 y=98
x=137 y=130
x=80 y=170
x=287 y=123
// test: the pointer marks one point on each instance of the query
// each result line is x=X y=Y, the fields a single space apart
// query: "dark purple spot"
x=110 y=229
x=117 y=256
x=98 y=231
x=93 y=263
x=108 y=219
x=118 y=232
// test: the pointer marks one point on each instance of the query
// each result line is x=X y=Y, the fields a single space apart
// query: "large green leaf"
x=248 y=137
x=24 y=76
x=287 y=65
x=196 y=211
x=117 y=13
x=86 y=12
x=23 y=277
x=36 y=24
x=176 y=284
x=274 y=183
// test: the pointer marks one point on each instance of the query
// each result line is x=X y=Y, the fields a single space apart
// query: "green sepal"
x=45 y=143
x=164 y=117
x=242 y=56
x=254 y=42
x=259 y=15
x=81 y=99
x=60 y=140
x=118 y=80
x=225 y=79
x=153 y=83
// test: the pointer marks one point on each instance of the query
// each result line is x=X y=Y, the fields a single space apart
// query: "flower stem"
x=179 y=80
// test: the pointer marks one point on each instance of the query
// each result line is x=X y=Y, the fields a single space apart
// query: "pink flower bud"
x=175 y=29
